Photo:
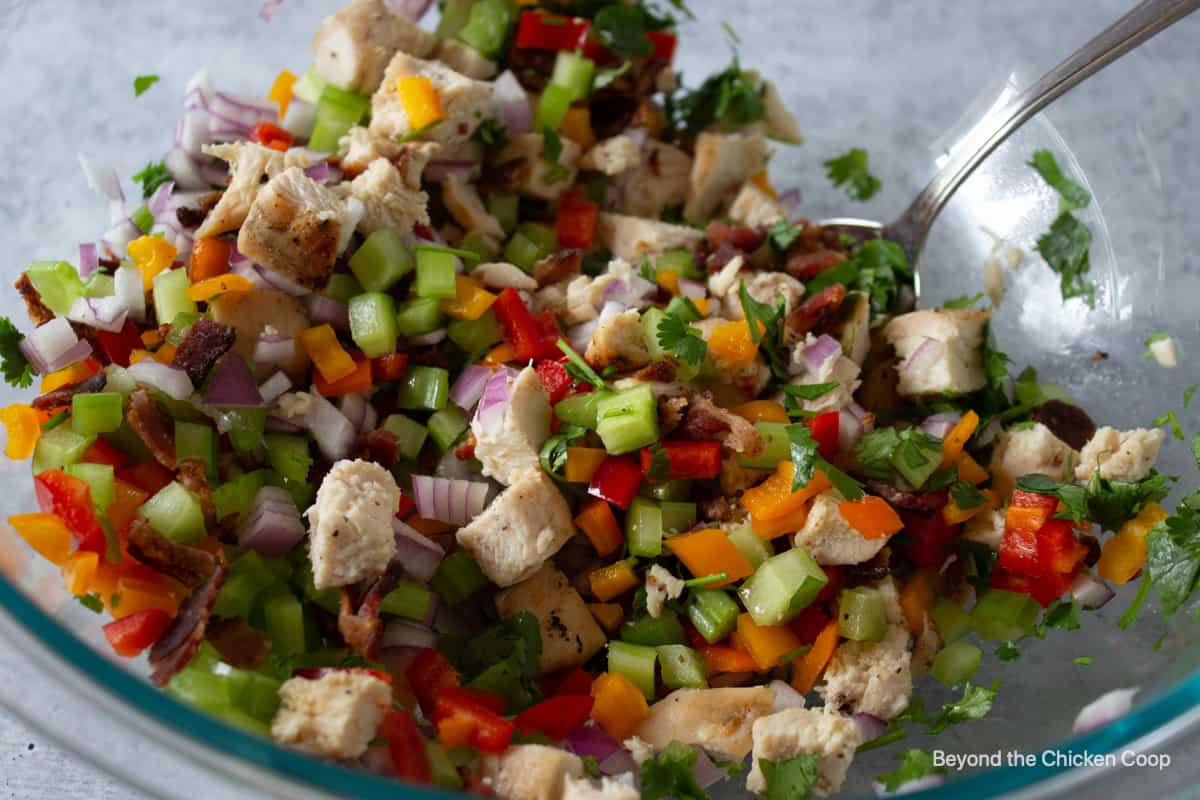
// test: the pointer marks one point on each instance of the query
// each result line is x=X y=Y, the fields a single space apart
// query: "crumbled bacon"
x=176 y=647
x=918 y=502
x=239 y=644
x=153 y=426
x=1068 y=422
x=817 y=313
x=742 y=237
x=61 y=397
x=380 y=446
x=205 y=342
x=39 y=313
x=191 y=566
x=707 y=420
x=361 y=628
x=670 y=413
x=190 y=218
x=557 y=266
x=192 y=474
x=807 y=266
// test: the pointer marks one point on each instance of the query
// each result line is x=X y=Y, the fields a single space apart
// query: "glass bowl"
x=892 y=78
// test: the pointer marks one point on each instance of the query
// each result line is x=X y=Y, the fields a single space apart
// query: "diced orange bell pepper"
x=328 y=356
x=151 y=255
x=969 y=469
x=957 y=438
x=723 y=658
x=710 y=552
x=281 y=91
x=609 y=615
x=165 y=354
x=763 y=181
x=612 y=581
x=955 y=515
x=149 y=476
x=598 y=523
x=357 y=381
x=210 y=258
x=669 y=280
x=768 y=529
x=79 y=571
x=730 y=343
x=762 y=411
x=871 y=516
x=471 y=301
x=499 y=355
x=75 y=373
x=1125 y=553
x=135 y=595
x=151 y=337
x=774 y=498
x=422 y=104
x=1025 y=519
x=45 y=533
x=127 y=499
x=24 y=426
x=810 y=665
x=577 y=126
x=766 y=644
x=582 y=463
x=138 y=356
x=209 y=288
x=701 y=304
x=619 y=706
x=916 y=598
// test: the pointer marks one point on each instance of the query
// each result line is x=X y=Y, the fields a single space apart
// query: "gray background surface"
x=949 y=52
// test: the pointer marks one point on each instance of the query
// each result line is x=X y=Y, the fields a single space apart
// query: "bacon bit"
x=876 y=569
x=190 y=218
x=557 y=266
x=380 y=446
x=466 y=450
x=742 y=237
x=192 y=474
x=205 y=342
x=670 y=413
x=706 y=420
x=1099 y=355
x=721 y=256
x=239 y=644
x=39 y=313
x=153 y=426
x=1068 y=422
x=817 y=313
x=175 y=649
x=918 y=502
x=807 y=266
x=191 y=566
x=656 y=372
x=362 y=629
x=61 y=397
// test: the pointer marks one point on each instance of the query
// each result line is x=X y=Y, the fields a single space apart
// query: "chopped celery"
x=505 y=208
x=252 y=692
x=284 y=618
x=245 y=426
x=143 y=219
x=951 y=621
x=170 y=294
x=118 y=380
x=57 y=283
x=410 y=435
x=237 y=496
x=99 y=478
x=457 y=578
x=302 y=492
x=343 y=285
x=654 y=631
x=337 y=112
x=58 y=448
x=676 y=490
x=628 y=420
x=580 y=409
x=419 y=315
x=237 y=596
x=682 y=667
x=713 y=613
x=1002 y=616
x=175 y=513
x=99 y=284
x=521 y=251
x=956 y=663
x=683 y=308
x=96 y=412
x=636 y=662
x=644 y=528
x=328 y=599
x=308 y=87
x=573 y=72
x=650 y=320
x=749 y=545
x=373 y=324
x=681 y=261
x=776 y=446
x=180 y=326
x=483 y=246
x=861 y=616
x=677 y=516
x=543 y=236
x=446 y=426
x=408 y=599
x=201 y=689
x=782 y=587
x=475 y=336
x=381 y=260
x=424 y=388
x=197 y=440
x=128 y=442
x=552 y=107
x=442 y=772
x=435 y=274
x=288 y=455
x=455 y=14
x=487 y=27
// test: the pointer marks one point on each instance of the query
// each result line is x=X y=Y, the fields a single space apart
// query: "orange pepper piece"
x=72 y=374
x=577 y=126
x=871 y=516
x=1125 y=553
x=619 y=706
x=609 y=615
x=916 y=598
x=598 y=523
x=763 y=181
x=165 y=354
x=209 y=288
x=768 y=529
x=612 y=580
x=710 y=552
x=766 y=644
x=24 y=426
x=471 y=301
x=330 y=358
x=210 y=258
x=969 y=469
x=281 y=91
x=957 y=438
x=582 y=463
x=134 y=595
x=79 y=572
x=810 y=665
x=774 y=498
x=357 y=381
x=669 y=280
x=762 y=411
x=45 y=533
x=499 y=355
x=730 y=342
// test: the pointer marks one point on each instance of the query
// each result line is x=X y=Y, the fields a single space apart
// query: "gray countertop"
x=952 y=49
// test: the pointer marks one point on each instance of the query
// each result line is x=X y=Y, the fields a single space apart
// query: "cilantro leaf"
x=1173 y=558
x=681 y=340
x=1172 y=419
x=143 y=82
x=91 y=602
x=966 y=301
x=1188 y=393
x=1008 y=652
x=1073 y=496
x=1065 y=249
x=767 y=329
x=669 y=774
x=553 y=455
x=152 y=176
x=852 y=170
x=976 y=702
x=490 y=133
x=910 y=453
x=878 y=267
x=810 y=391
x=1071 y=194
x=502 y=659
x=914 y=764
x=13 y=363
x=1112 y=503
x=979 y=559
x=660 y=465
x=1083 y=661
x=966 y=496
x=782 y=233
x=806 y=459
x=728 y=99
x=874 y=453
x=591 y=766
x=606 y=76
x=792 y=779
x=579 y=369
x=551 y=152
x=622 y=29
x=1063 y=616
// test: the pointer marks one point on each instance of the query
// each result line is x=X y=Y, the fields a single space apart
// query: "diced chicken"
x=532 y=173
x=618 y=341
x=604 y=789
x=465 y=60
x=570 y=635
x=829 y=539
x=794 y=731
x=1120 y=455
x=735 y=478
x=870 y=677
x=530 y=772
x=661 y=586
x=350 y=524
x=465 y=102
x=1029 y=451
x=890 y=594
x=837 y=369
x=529 y=522
x=631 y=238
x=584 y=296
x=353 y=47
x=499 y=275
x=464 y=204
x=765 y=287
x=1162 y=348
x=250 y=313
x=781 y=125
x=248 y=162
x=612 y=156
x=294 y=405
x=941 y=351
x=334 y=716
x=360 y=148
x=755 y=208
x=722 y=163
x=986 y=528
x=718 y=720
x=388 y=200
x=739 y=436
x=640 y=751
x=297 y=227
x=659 y=181
x=724 y=282
x=508 y=447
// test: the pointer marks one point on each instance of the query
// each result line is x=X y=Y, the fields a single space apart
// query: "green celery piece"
x=237 y=596
x=180 y=326
x=776 y=446
x=861 y=616
x=201 y=689
x=170 y=294
x=288 y=455
x=252 y=692
x=654 y=631
x=676 y=490
x=455 y=14
x=573 y=72
x=96 y=412
x=442 y=771
x=506 y=208
x=950 y=620
x=475 y=336
x=176 y=514
x=457 y=578
x=644 y=528
x=237 y=496
x=245 y=426
x=419 y=315
x=99 y=284
x=337 y=112
x=381 y=260
x=755 y=550
x=197 y=440
x=446 y=426
x=58 y=448
x=552 y=107
x=636 y=662
x=521 y=252
x=782 y=587
x=487 y=27
x=682 y=667
x=1002 y=616
x=544 y=237
x=956 y=663
x=284 y=618
x=409 y=434
x=650 y=320
x=627 y=420
x=343 y=286
x=99 y=478
x=117 y=380
x=680 y=307
x=408 y=599
x=308 y=87
x=57 y=283
x=580 y=409
x=373 y=324
x=682 y=261
x=677 y=516
x=435 y=274
x=713 y=613
x=483 y=246
x=424 y=388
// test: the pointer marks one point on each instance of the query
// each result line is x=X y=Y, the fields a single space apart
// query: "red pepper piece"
x=1058 y=549
x=270 y=135
x=1044 y=590
x=929 y=536
x=149 y=476
x=464 y=721
x=390 y=367
x=492 y=702
x=429 y=672
x=837 y=579
x=118 y=346
x=824 y=429
x=132 y=634
x=576 y=222
x=405 y=505
x=554 y=378
x=1019 y=553
x=809 y=624
x=405 y=746
x=71 y=499
x=616 y=480
x=577 y=681
x=101 y=452
x=555 y=717
x=520 y=328
x=538 y=30
x=664 y=45
x=699 y=460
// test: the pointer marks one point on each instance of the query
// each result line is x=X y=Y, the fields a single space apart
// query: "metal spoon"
x=911 y=228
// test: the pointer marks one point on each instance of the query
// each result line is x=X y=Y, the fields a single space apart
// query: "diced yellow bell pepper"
x=79 y=572
x=577 y=126
x=72 y=374
x=1125 y=553
x=669 y=280
x=730 y=343
x=609 y=615
x=766 y=644
x=209 y=288
x=133 y=595
x=582 y=463
x=165 y=354
x=701 y=304
x=327 y=354
x=762 y=411
x=422 y=105
x=612 y=581
x=281 y=91
x=151 y=337
x=151 y=255
x=955 y=515
x=139 y=355
x=916 y=599
x=45 y=533
x=24 y=426
x=969 y=469
x=500 y=354
x=763 y=181
x=619 y=706
x=471 y=301
x=953 y=444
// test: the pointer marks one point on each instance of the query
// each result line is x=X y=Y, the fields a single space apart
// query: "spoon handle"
x=1139 y=24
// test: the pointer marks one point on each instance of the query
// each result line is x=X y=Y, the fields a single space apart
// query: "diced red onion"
x=707 y=773
x=323 y=172
x=819 y=352
x=938 y=425
x=618 y=763
x=920 y=355
x=455 y=502
x=353 y=407
x=325 y=310
x=334 y=434
x=273 y=526
x=494 y=401
x=256 y=109
x=269 y=9
x=102 y=179
x=274 y=350
x=1104 y=709
x=870 y=726
x=184 y=170
x=426 y=339
x=410 y=9
x=49 y=345
x=1090 y=592
x=232 y=384
x=161 y=199
x=850 y=431
x=786 y=696
x=693 y=290
x=628 y=294
x=468 y=388
x=416 y=553
x=101 y=313
x=89 y=259
x=908 y=787
x=280 y=283
x=858 y=411
x=790 y=200
x=591 y=740
x=120 y=235
x=174 y=383
x=273 y=387
x=403 y=633
x=513 y=103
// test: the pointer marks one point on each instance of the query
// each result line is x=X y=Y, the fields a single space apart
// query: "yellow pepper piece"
x=151 y=255
x=327 y=354
x=79 y=572
x=151 y=337
x=422 y=105
x=701 y=304
x=281 y=91
x=24 y=426
x=609 y=615
x=619 y=706
x=577 y=126
x=165 y=354
x=766 y=644
x=500 y=354
x=768 y=529
x=954 y=515
x=958 y=436
x=730 y=343
x=763 y=181
x=1125 y=553
x=669 y=280
x=45 y=533
x=72 y=374
x=133 y=595
x=139 y=355
x=209 y=288
x=762 y=411
x=582 y=463
x=969 y=469
x=471 y=301
x=611 y=581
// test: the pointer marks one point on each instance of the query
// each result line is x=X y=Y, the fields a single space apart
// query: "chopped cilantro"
x=490 y=133
x=767 y=329
x=966 y=496
x=606 y=76
x=1083 y=661
x=910 y=453
x=553 y=455
x=782 y=233
x=91 y=602
x=728 y=99
x=1157 y=336
x=419 y=132
x=56 y=420
x=143 y=82
x=1065 y=249
x=1188 y=393
x=1071 y=194
x=579 y=369
x=914 y=764
x=1063 y=616
x=1173 y=558
x=622 y=29
x=810 y=391
x=1172 y=419
x=659 y=468
x=852 y=170
x=681 y=340
x=734 y=39
x=979 y=559
x=792 y=779
x=806 y=460
x=669 y=774
x=976 y=702
x=1111 y=503
x=878 y=268
x=706 y=580
x=17 y=371
x=966 y=301
x=1008 y=652
x=591 y=766
x=152 y=176
x=1073 y=496
x=502 y=659
x=551 y=152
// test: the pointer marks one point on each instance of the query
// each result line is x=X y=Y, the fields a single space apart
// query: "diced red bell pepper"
x=492 y=702
x=550 y=333
x=1044 y=590
x=554 y=378
x=699 y=460
x=149 y=476
x=824 y=428
x=576 y=222
x=390 y=367
x=520 y=328
x=132 y=634
x=405 y=746
x=616 y=480
x=70 y=499
x=405 y=505
x=664 y=45
x=1019 y=553
x=556 y=717
x=270 y=135
x=929 y=535
x=837 y=579
x=1040 y=506
x=1058 y=549
x=577 y=681
x=427 y=674
x=539 y=30
x=601 y=55
x=118 y=346
x=811 y=622
x=462 y=720
x=101 y=452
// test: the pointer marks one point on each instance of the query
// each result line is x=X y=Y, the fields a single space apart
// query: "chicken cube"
x=755 y=208
x=718 y=720
x=507 y=441
x=632 y=238
x=618 y=341
x=350 y=524
x=659 y=181
x=464 y=204
x=940 y=351
x=353 y=47
x=604 y=789
x=465 y=102
x=765 y=287
x=465 y=60
x=250 y=314
x=1030 y=451
x=359 y=148
x=661 y=586
x=389 y=201
x=570 y=635
x=530 y=772
x=248 y=162
x=870 y=677
x=532 y=173
x=529 y=522
x=986 y=528
x=612 y=156
x=1120 y=455
x=794 y=731
x=499 y=275
x=829 y=539
x=836 y=368
x=334 y=716
x=722 y=163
